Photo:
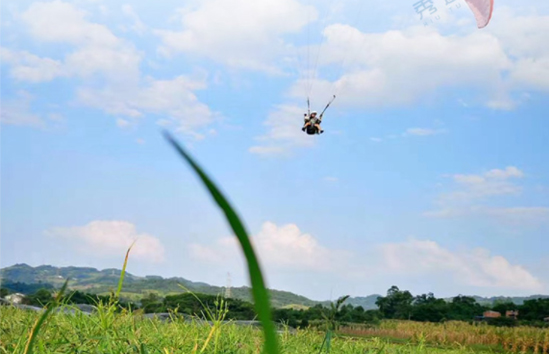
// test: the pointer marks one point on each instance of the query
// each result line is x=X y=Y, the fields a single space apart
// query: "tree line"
x=397 y=304
x=401 y=304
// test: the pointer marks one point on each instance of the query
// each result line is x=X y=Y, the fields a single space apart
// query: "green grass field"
x=105 y=332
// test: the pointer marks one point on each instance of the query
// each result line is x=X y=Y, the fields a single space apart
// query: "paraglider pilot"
x=312 y=124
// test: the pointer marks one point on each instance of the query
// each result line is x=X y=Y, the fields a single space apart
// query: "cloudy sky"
x=431 y=175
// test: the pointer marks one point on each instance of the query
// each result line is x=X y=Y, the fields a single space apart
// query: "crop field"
x=460 y=334
x=107 y=332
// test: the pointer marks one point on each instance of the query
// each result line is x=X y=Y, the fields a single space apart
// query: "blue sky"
x=431 y=174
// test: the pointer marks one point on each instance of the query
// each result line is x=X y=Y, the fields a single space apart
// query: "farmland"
x=522 y=339
x=107 y=332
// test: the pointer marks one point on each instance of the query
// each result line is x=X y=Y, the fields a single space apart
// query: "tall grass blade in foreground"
x=261 y=297
x=36 y=328
x=121 y=280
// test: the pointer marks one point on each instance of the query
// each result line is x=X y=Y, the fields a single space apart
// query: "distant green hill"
x=102 y=281
x=367 y=302
x=519 y=300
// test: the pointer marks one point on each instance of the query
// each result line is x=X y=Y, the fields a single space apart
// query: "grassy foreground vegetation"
x=106 y=332
x=127 y=332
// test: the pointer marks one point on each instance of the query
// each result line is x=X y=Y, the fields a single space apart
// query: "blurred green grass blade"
x=260 y=294
x=36 y=328
x=142 y=349
x=121 y=279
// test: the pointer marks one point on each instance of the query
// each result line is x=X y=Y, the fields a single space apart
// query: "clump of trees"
x=192 y=304
x=24 y=288
x=402 y=305
x=399 y=304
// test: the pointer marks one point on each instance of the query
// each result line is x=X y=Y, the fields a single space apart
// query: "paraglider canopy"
x=482 y=10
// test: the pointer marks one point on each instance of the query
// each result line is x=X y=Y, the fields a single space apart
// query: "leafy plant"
x=331 y=321
x=40 y=321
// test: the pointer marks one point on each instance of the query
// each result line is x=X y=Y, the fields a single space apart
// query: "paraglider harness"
x=311 y=128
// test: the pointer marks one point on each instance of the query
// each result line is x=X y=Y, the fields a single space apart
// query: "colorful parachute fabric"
x=482 y=10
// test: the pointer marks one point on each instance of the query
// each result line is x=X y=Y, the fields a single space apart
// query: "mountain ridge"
x=93 y=280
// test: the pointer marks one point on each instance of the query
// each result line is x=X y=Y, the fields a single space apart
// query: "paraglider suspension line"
x=328 y=105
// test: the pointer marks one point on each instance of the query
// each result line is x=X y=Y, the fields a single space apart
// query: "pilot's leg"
x=318 y=129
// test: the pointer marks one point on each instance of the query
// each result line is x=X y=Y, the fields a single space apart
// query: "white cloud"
x=58 y=21
x=237 y=33
x=98 y=49
x=414 y=132
x=267 y=150
x=475 y=268
x=401 y=67
x=535 y=212
x=518 y=216
x=138 y=26
x=510 y=216
x=491 y=183
x=284 y=132
x=56 y=117
x=473 y=192
x=523 y=37
x=111 y=238
x=502 y=103
x=29 y=67
x=98 y=53
x=422 y=131
x=174 y=98
x=17 y=111
x=446 y=212
x=509 y=172
x=331 y=179
x=122 y=123
x=285 y=247
x=532 y=72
